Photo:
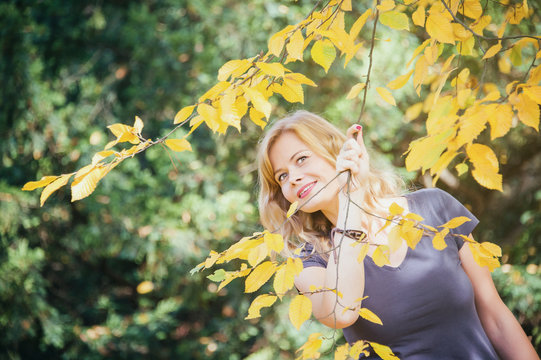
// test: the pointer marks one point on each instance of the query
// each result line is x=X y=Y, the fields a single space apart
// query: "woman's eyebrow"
x=291 y=158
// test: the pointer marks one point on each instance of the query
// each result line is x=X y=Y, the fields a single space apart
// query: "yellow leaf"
x=482 y=256
x=355 y=90
x=291 y=91
x=271 y=69
x=533 y=92
x=274 y=241
x=425 y=152
x=461 y=169
x=493 y=249
x=44 y=181
x=183 y=114
x=259 y=276
x=386 y=5
x=257 y=254
x=493 y=50
x=500 y=120
x=138 y=125
x=300 y=310
x=535 y=75
x=481 y=24
x=413 y=216
x=53 y=186
x=257 y=118
x=384 y=352
x=145 y=287
x=323 y=53
x=214 y=91
x=441 y=164
x=359 y=23
x=418 y=16
x=228 y=112
x=363 y=252
x=394 y=238
x=472 y=123
x=178 y=145
x=370 y=316
x=418 y=50
x=85 y=185
x=259 y=302
x=528 y=111
x=471 y=9
x=357 y=348
x=381 y=255
x=411 y=234
x=466 y=47
x=341 y=352
x=259 y=101
x=300 y=78
x=461 y=33
x=124 y=133
x=210 y=115
x=119 y=129
x=294 y=265
x=97 y=158
x=396 y=209
x=276 y=43
x=233 y=68
x=386 y=95
x=292 y=209
x=211 y=259
x=414 y=111
x=395 y=20
x=421 y=71
x=346 y=5
x=295 y=46
x=283 y=280
x=399 y=81
x=438 y=241
x=311 y=347
x=439 y=27
x=485 y=165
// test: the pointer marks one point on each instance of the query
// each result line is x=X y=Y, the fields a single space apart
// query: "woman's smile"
x=305 y=190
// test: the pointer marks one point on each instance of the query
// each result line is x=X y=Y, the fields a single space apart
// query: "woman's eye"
x=281 y=177
x=301 y=159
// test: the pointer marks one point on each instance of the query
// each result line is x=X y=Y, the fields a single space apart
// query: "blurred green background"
x=69 y=271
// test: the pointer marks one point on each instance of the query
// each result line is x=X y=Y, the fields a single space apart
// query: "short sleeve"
x=446 y=207
x=310 y=258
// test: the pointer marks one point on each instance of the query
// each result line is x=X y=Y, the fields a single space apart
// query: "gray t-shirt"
x=427 y=303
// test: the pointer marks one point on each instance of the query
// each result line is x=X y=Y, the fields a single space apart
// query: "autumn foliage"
x=462 y=112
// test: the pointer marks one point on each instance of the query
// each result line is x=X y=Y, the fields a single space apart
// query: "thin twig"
x=369 y=63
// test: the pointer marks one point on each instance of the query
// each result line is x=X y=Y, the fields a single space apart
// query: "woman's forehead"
x=286 y=145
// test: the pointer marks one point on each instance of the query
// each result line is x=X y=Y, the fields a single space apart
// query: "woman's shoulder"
x=434 y=196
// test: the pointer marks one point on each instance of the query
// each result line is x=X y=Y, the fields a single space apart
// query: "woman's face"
x=301 y=173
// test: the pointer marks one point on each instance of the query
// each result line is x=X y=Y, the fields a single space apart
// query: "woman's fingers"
x=346 y=164
x=353 y=130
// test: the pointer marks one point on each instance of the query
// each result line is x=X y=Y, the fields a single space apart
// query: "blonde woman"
x=433 y=304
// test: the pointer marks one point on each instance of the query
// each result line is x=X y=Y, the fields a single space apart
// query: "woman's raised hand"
x=353 y=156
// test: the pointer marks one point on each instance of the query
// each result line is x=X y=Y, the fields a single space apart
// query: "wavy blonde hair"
x=326 y=140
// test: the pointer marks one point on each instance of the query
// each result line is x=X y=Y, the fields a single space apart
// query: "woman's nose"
x=295 y=177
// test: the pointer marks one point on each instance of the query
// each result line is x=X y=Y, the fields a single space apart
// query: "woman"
x=433 y=304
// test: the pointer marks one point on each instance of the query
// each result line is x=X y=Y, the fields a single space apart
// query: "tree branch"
x=370 y=62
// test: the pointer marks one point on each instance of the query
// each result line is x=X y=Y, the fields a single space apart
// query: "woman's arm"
x=344 y=274
x=336 y=309
x=501 y=327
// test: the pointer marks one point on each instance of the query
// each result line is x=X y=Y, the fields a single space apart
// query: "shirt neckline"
x=411 y=205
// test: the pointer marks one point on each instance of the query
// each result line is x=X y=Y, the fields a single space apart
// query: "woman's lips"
x=305 y=190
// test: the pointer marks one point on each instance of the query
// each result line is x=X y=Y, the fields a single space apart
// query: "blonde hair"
x=326 y=140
